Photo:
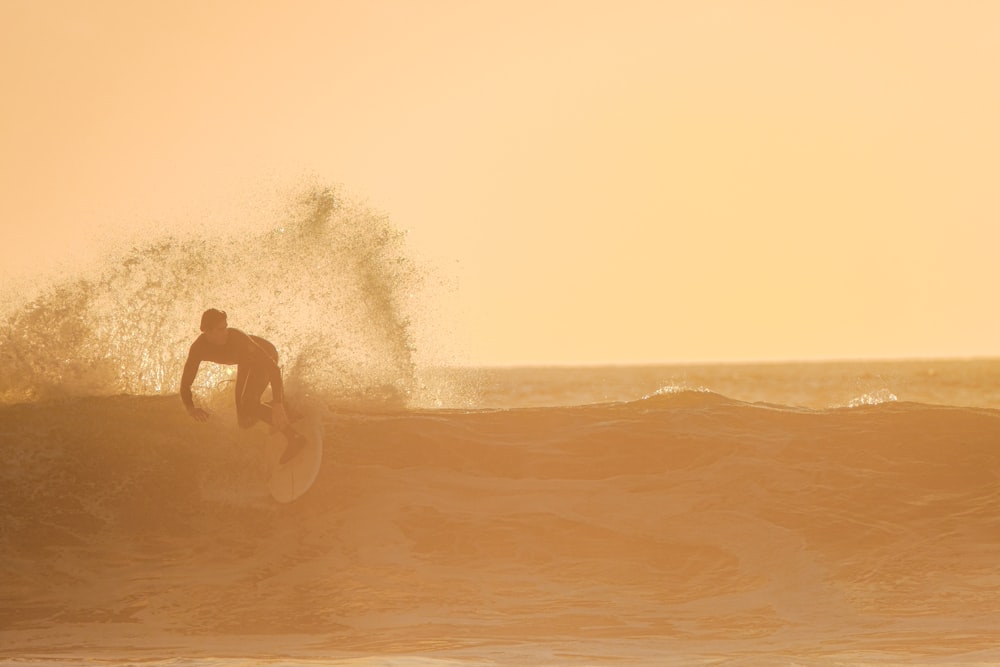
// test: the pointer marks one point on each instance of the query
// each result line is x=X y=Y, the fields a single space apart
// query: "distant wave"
x=873 y=398
x=669 y=389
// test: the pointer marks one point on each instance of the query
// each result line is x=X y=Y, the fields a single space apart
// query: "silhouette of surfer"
x=257 y=366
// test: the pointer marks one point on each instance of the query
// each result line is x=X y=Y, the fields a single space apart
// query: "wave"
x=686 y=524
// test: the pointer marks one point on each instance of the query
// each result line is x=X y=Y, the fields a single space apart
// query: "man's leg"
x=250 y=385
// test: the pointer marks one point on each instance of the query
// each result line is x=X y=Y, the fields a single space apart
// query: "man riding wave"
x=256 y=361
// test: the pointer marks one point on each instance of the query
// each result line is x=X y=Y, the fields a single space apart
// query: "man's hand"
x=278 y=417
x=198 y=414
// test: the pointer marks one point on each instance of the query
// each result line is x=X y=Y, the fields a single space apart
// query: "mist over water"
x=327 y=280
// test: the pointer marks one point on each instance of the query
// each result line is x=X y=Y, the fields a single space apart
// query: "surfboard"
x=291 y=479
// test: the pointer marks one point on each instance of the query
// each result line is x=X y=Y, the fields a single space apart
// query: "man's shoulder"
x=198 y=344
x=196 y=353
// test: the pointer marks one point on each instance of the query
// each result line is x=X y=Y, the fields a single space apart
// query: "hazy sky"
x=603 y=181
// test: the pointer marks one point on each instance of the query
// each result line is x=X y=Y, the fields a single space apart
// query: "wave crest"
x=877 y=397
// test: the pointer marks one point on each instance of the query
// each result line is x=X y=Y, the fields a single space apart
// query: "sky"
x=600 y=182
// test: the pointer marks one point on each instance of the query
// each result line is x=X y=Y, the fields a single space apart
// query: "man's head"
x=215 y=326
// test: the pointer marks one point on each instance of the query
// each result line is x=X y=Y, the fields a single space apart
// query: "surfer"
x=256 y=367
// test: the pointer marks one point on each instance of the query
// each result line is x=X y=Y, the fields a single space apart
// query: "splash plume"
x=327 y=281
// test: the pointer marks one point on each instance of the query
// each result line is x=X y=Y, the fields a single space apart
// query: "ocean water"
x=840 y=513
x=672 y=526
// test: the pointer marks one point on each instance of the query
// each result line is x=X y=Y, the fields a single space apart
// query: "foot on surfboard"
x=293 y=417
x=295 y=444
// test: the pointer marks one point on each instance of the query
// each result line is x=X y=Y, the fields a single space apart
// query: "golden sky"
x=604 y=181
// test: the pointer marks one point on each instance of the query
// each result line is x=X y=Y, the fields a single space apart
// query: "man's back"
x=238 y=348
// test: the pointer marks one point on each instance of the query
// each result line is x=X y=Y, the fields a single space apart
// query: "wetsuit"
x=257 y=366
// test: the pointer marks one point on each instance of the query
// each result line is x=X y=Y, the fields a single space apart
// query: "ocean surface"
x=744 y=514
x=838 y=513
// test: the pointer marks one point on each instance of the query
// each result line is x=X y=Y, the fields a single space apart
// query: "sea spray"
x=327 y=280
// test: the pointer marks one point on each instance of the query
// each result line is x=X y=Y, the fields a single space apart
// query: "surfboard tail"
x=298 y=465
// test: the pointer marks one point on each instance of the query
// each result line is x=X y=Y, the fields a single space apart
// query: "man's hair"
x=211 y=318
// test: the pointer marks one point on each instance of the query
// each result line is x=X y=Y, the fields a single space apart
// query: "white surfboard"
x=291 y=479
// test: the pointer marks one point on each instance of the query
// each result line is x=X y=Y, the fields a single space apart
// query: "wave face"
x=326 y=280
x=683 y=527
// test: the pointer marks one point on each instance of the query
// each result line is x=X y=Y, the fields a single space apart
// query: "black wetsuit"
x=257 y=366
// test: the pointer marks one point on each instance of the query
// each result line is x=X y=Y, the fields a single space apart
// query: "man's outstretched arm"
x=187 y=378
